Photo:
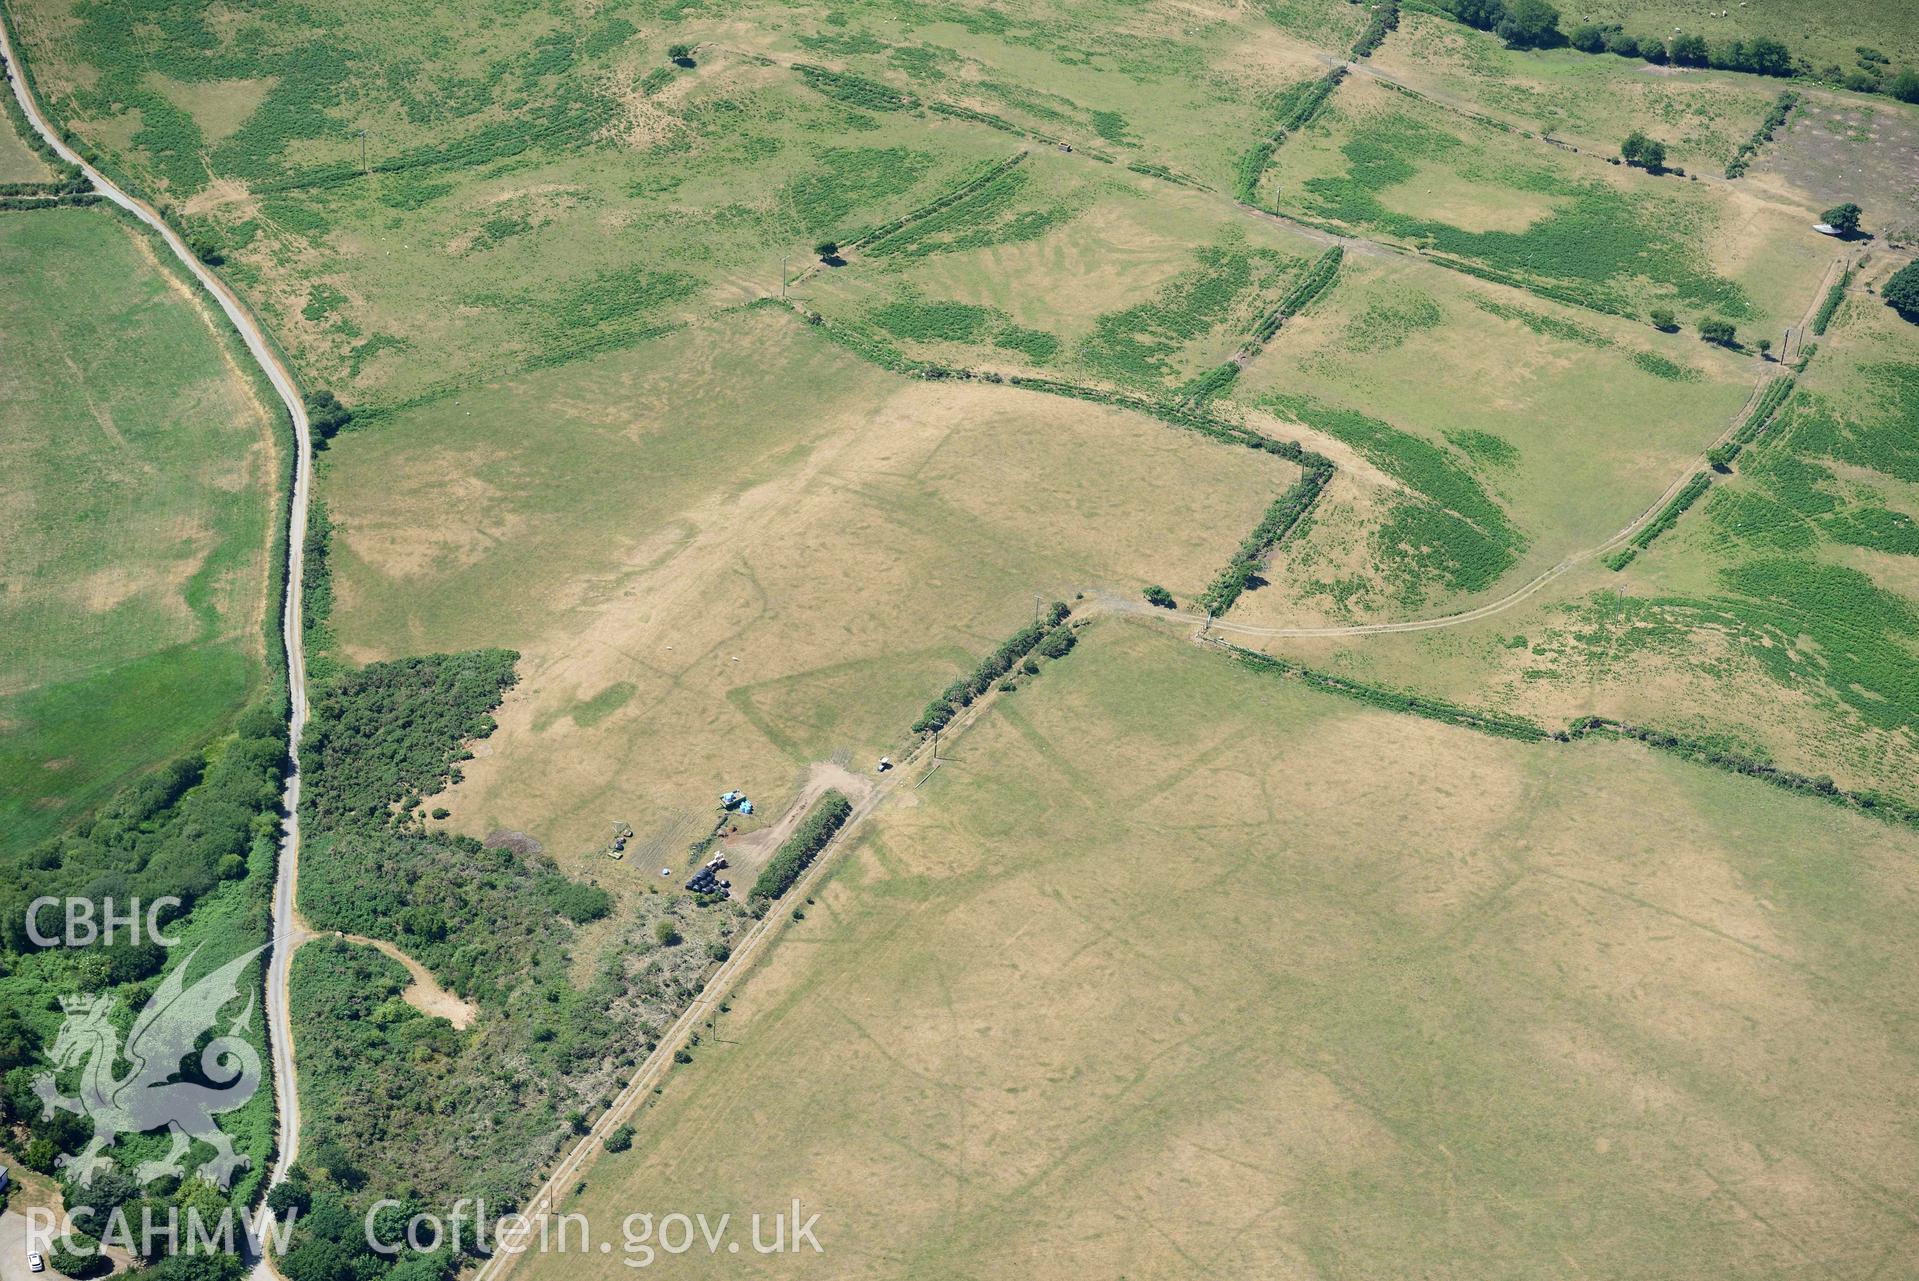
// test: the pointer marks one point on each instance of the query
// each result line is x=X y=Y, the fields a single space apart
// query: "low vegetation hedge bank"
x=1034 y=636
x=1875 y=803
x=798 y=851
x=1296 y=107
x=1385 y=18
x=1279 y=520
x=1438 y=709
x=1742 y=158
x=1668 y=517
x=1830 y=307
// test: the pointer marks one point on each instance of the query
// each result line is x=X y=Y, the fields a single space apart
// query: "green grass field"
x=1570 y=227
x=1173 y=962
x=137 y=494
x=1488 y=434
x=1795 y=575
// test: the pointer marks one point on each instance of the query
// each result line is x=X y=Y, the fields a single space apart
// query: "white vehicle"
x=34 y=1262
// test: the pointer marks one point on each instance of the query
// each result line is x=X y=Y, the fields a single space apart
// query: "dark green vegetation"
x=1534 y=24
x=1449 y=532
x=1590 y=250
x=1901 y=292
x=1242 y=571
x=1829 y=306
x=1291 y=111
x=797 y=852
x=1138 y=346
x=492 y=923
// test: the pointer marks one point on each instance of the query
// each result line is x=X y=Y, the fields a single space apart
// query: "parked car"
x=34 y=1262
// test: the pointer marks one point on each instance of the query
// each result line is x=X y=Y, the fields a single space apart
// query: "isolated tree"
x=1662 y=318
x=1765 y=348
x=206 y=248
x=620 y=1140
x=1643 y=152
x=667 y=933
x=1902 y=292
x=1529 y=24
x=1157 y=595
x=1842 y=218
x=326 y=414
x=680 y=55
x=828 y=250
x=1718 y=331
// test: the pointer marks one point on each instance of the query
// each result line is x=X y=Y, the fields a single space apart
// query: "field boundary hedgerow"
x=1742 y=158
x=1830 y=306
x=1502 y=725
x=1295 y=109
x=1668 y=516
x=1317 y=280
x=1763 y=412
x=797 y=852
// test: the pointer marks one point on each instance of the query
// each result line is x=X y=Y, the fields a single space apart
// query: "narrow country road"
x=279 y=1034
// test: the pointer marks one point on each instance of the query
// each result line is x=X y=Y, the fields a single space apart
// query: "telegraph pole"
x=363 y=166
x=782 y=277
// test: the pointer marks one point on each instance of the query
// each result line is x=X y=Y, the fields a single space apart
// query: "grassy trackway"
x=279 y=1032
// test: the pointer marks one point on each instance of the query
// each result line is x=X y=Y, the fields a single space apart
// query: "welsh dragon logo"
x=149 y=1097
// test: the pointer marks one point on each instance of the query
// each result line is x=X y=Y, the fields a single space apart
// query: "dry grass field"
x=752 y=370
x=782 y=559
x=1177 y=966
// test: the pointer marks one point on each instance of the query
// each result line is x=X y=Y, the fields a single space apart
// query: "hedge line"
x=66 y=172
x=77 y=201
x=957 y=194
x=1278 y=521
x=1834 y=296
x=1757 y=421
x=1252 y=165
x=797 y=853
x=1317 y=280
x=1876 y=803
x=1167 y=175
x=73 y=186
x=1438 y=709
x=1385 y=18
x=1038 y=635
x=1668 y=516
x=1781 y=108
x=991 y=121
x=856 y=91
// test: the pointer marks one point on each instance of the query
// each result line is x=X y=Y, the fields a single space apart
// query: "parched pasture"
x=782 y=558
x=1177 y=966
